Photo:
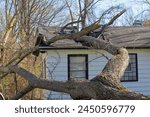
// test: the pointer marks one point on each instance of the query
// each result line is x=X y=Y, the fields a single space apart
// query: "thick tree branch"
x=24 y=73
x=92 y=42
x=115 y=67
x=74 y=35
x=22 y=92
x=116 y=17
x=77 y=89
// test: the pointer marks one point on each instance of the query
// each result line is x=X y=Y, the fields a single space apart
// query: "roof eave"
x=46 y=48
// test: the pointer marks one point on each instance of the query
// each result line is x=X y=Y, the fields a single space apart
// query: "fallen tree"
x=106 y=85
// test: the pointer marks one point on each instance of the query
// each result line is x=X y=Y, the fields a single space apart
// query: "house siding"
x=57 y=68
x=143 y=83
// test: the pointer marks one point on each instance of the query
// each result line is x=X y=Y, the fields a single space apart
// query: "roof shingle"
x=130 y=37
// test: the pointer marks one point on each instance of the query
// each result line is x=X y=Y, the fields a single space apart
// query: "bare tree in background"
x=19 y=21
x=129 y=18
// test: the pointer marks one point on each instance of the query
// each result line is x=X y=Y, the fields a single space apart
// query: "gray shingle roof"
x=130 y=37
x=50 y=32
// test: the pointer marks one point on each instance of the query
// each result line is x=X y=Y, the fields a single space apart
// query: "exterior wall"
x=143 y=83
x=57 y=68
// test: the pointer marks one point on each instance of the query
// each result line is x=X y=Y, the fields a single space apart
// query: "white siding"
x=57 y=62
x=95 y=59
x=143 y=83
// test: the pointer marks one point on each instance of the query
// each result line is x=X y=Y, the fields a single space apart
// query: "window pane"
x=78 y=78
x=131 y=72
x=77 y=74
x=77 y=67
x=77 y=59
x=129 y=67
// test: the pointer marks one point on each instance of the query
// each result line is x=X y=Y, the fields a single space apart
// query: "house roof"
x=49 y=32
x=129 y=37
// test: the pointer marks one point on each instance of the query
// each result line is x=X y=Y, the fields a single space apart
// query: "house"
x=68 y=60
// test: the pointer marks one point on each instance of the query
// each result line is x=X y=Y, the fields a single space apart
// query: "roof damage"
x=129 y=37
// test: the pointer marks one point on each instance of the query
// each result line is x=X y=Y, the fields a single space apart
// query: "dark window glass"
x=77 y=67
x=131 y=73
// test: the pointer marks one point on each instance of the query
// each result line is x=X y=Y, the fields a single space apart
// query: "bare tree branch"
x=70 y=11
x=22 y=92
x=74 y=35
x=16 y=60
x=111 y=22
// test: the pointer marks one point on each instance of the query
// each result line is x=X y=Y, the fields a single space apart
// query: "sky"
x=132 y=6
x=127 y=3
x=136 y=5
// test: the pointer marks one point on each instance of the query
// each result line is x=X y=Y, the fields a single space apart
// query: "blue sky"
x=134 y=7
x=134 y=4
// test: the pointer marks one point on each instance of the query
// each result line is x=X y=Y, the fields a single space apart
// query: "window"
x=77 y=67
x=131 y=73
